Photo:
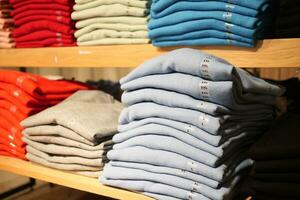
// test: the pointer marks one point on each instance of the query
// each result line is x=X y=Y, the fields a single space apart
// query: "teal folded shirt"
x=262 y=5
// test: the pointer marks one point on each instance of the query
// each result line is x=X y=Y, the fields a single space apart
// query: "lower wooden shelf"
x=64 y=178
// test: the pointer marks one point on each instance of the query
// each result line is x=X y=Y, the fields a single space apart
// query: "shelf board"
x=64 y=178
x=268 y=53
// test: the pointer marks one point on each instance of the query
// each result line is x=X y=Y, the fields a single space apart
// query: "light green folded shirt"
x=109 y=11
x=101 y=34
x=112 y=20
x=111 y=41
x=93 y=4
x=116 y=27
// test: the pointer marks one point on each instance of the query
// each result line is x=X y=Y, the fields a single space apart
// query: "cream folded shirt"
x=116 y=27
x=109 y=11
x=108 y=41
x=101 y=34
x=113 y=20
x=92 y=4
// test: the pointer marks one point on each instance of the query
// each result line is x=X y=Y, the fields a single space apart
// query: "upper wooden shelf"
x=64 y=178
x=268 y=53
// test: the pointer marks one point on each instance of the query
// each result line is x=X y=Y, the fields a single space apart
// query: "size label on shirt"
x=205 y=65
x=204 y=89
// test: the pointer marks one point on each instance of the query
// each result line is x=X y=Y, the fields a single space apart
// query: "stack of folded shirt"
x=43 y=23
x=6 y=25
x=207 y=22
x=276 y=170
x=75 y=134
x=101 y=22
x=21 y=95
x=190 y=120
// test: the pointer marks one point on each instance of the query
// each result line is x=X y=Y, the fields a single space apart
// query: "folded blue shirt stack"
x=189 y=122
x=208 y=22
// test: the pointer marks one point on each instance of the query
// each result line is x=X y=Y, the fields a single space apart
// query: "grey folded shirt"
x=89 y=117
x=64 y=150
x=56 y=130
x=71 y=167
x=121 y=173
x=206 y=66
x=145 y=155
x=97 y=162
x=65 y=142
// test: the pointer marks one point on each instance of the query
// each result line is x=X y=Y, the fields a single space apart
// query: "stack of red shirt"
x=43 y=23
x=24 y=94
x=6 y=25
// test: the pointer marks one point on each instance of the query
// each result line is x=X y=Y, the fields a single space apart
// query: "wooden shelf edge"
x=268 y=53
x=67 y=179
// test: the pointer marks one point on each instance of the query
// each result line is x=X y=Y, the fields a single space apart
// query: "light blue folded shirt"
x=171 y=171
x=203 y=6
x=153 y=187
x=174 y=99
x=213 y=125
x=214 y=140
x=225 y=93
x=122 y=139
x=139 y=154
x=122 y=173
x=160 y=196
x=261 y=5
x=206 y=66
x=167 y=143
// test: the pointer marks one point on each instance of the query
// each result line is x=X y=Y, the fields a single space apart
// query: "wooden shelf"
x=64 y=178
x=268 y=53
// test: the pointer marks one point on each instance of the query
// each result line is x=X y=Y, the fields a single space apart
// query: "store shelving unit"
x=268 y=53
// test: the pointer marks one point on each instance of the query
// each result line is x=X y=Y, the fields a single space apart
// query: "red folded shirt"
x=25 y=98
x=41 y=1
x=39 y=45
x=27 y=2
x=13 y=109
x=38 y=86
x=5 y=96
x=6 y=135
x=12 y=145
x=54 y=18
x=41 y=12
x=42 y=25
x=14 y=122
x=52 y=6
x=40 y=35
x=12 y=152
x=16 y=132
x=48 y=42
